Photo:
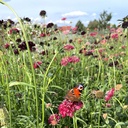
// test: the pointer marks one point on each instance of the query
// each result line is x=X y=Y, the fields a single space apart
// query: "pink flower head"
x=114 y=35
x=65 y=61
x=74 y=28
x=70 y=59
x=54 y=119
x=68 y=108
x=109 y=94
x=119 y=30
x=42 y=35
x=93 y=34
x=74 y=59
x=37 y=64
x=68 y=47
x=64 y=18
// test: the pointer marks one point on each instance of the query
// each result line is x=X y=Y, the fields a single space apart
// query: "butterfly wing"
x=72 y=95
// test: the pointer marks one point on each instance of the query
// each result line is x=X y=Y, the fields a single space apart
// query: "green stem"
x=29 y=54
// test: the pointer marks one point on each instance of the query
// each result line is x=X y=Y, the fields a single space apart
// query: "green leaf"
x=19 y=83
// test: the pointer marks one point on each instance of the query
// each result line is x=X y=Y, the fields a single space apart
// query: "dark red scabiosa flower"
x=114 y=63
x=64 y=18
x=27 y=19
x=70 y=41
x=37 y=64
x=109 y=94
x=54 y=119
x=83 y=33
x=50 y=25
x=68 y=108
x=13 y=31
x=44 y=52
x=42 y=35
x=82 y=51
x=89 y=53
x=16 y=52
x=68 y=47
x=22 y=46
x=54 y=38
x=7 y=45
x=18 y=40
x=31 y=45
x=43 y=13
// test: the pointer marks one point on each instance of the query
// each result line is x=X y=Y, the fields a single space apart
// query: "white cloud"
x=74 y=14
x=62 y=22
x=94 y=14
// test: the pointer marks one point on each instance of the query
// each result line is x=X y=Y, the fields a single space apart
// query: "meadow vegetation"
x=39 y=64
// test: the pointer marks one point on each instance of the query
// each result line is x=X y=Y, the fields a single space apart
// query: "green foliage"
x=104 y=19
x=93 y=24
x=80 y=26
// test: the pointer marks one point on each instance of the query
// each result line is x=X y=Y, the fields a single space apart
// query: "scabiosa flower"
x=37 y=64
x=50 y=25
x=68 y=108
x=64 y=18
x=43 y=13
x=109 y=94
x=93 y=34
x=54 y=119
x=6 y=45
x=74 y=59
x=65 y=61
x=68 y=47
x=13 y=31
x=42 y=35
x=114 y=36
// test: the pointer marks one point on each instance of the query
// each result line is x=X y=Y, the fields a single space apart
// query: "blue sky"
x=84 y=10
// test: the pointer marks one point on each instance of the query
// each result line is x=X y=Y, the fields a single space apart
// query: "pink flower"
x=65 y=61
x=74 y=28
x=54 y=119
x=68 y=47
x=109 y=94
x=37 y=64
x=42 y=35
x=74 y=59
x=68 y=108
x=114 y=35
x=70 y=59
x=112 y=30
x=93 y=34
x=64 y=18
x=119 y=30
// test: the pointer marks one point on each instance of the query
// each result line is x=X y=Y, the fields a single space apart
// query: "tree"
x=93 y=24
x=104 y=19
x=80 y=26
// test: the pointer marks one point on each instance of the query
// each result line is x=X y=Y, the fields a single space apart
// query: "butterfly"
x=75 y=93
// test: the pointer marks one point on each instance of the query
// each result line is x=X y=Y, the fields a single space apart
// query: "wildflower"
x=42 y=35
x=114 y=36
x=68 y=47
x=93 y=34
x=70 y=41
x=37 y=64
x=16 y=51
x=54 y=119
x=83 y=33
x=43 y=13
x=74 y=59
x=13 y=31
x=109 y=94
x=64 y=18
x=64 y=61
x=50 y=25
x=68 y=108
x=6 y=45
